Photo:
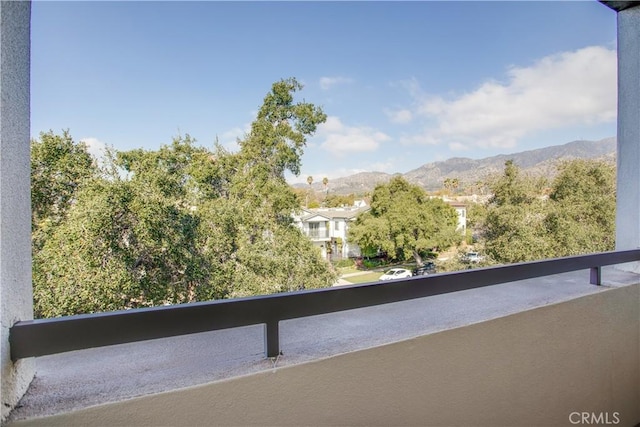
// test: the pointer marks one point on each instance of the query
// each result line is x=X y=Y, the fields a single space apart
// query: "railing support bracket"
x=271 y=339
x=596 y=276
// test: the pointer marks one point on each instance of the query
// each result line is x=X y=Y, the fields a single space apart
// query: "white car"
x=396 y=273
x=473 y=257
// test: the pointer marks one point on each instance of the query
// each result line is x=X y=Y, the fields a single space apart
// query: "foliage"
x=337 y=200
x=578 y=216
x=583 y=217
x=372 y=263
x=476 y=213
x=343 y=263
x=451 y=184
x=179 y=224
x=404 y=221
x=59 y=167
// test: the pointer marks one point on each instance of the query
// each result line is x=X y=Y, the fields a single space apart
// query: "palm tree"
x=451 y=184
x=309 y=181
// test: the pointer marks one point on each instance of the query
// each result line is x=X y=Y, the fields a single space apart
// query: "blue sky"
x=402 y=83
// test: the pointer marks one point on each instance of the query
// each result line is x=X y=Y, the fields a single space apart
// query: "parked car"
x=472 y=257
x=396 y=273
x=427 y=268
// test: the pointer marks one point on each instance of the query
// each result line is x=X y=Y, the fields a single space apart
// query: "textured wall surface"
x=15 y=206
x=628 y=191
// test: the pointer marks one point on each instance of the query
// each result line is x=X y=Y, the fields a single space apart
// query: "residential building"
x=461 y=210
x=327 y=229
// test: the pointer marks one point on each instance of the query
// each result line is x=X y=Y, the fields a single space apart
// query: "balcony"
x=486 y=347
x=467 y=348
x=317 y=234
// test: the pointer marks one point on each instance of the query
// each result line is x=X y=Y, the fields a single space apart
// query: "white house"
x=461 y=209
x=327 y=229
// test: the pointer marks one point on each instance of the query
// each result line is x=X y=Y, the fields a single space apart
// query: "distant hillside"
x=540 y=162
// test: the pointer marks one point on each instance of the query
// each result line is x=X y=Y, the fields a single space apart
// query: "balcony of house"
x=317 y=233
x=476 y=347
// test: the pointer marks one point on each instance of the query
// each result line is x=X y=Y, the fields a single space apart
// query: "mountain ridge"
x=431 y=176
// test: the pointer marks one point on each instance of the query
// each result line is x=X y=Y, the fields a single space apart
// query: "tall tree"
x=405 y=222
x=127 y=242
x=577 y=217
x=583 y=199
x=515 y=229
x=59 y=166
x=184 y=223
x=274 y=145
x=309 y=181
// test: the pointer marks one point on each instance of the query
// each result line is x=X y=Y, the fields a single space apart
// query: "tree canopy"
x=576 y=215
x=59 y=167
x=179 y=224
x=405 y=223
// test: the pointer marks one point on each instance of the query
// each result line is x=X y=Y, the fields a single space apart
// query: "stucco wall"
x=536 y=367
x=15 y=204
x=628 y=173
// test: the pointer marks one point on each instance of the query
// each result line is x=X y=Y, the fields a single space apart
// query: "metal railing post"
x=271 y=339
x=596 y=276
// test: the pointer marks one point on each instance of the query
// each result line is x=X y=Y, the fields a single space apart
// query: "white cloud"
x=229 y=139
x=327 y=82
x=95 y=147
x=565 y=89
x=340 y=139
x=399 y=116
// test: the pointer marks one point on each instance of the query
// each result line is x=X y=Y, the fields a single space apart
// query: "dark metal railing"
x=48 y=336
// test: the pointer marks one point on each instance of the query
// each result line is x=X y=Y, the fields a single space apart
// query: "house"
x=327 y=229
x=461 y=210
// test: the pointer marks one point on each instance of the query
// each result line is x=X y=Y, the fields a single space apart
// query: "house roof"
x=333 y=213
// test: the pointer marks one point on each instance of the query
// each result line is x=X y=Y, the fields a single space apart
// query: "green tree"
x=451 y=185
x=274 y=145
x=126 y=243
x=59 y=167
x=583 y=199
x=577 y=217
x=337 y=200
x=514 y=228
x=405 y=222
x=184 y=223
x=476 y=218
x=309 y=192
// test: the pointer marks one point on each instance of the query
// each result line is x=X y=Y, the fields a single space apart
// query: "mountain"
x=540 y=162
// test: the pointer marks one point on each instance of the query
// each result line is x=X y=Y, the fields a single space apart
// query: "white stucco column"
x=628 y=190
x=16 y=301
x=628 y=183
